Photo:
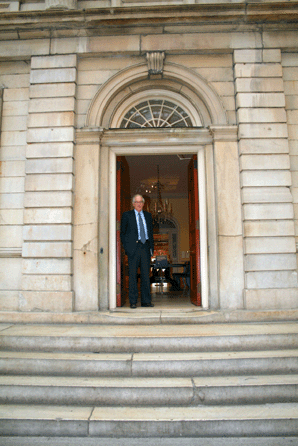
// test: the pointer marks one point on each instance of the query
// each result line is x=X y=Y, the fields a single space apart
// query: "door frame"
x=155 y=142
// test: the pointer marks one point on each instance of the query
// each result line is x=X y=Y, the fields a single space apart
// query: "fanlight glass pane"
x=156 y=113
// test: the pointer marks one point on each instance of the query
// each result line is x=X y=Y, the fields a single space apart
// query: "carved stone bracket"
x=61 y=4
x=155 y=62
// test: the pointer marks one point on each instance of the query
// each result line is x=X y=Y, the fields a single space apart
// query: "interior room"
x=163 y=180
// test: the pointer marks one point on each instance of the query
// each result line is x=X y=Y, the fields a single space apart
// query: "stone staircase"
x=152 y=382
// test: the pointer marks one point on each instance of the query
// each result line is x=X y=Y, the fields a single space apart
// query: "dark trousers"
x=140 y=259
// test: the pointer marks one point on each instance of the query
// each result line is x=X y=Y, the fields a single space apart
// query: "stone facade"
x=65 y=81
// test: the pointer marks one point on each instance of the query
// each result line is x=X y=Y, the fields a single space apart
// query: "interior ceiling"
x=172 y=174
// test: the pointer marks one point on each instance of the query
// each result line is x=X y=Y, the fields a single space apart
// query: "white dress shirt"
x=144 y=222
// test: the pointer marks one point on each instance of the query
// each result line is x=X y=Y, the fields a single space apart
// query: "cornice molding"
x=245 y=13
x=145 y=137
x=89 y=135
x=224 y=133
x=175 y=137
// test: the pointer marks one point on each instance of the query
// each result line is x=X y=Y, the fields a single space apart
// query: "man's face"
x=138 y=204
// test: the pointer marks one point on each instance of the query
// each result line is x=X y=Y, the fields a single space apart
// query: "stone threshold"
x=173 y=441
x=149 y=316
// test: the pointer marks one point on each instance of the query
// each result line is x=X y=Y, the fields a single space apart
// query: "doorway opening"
x=169 y=185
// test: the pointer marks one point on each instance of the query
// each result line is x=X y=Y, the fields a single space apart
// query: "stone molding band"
x=61 y=4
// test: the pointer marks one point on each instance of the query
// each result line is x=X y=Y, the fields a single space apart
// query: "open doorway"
x=169 y=184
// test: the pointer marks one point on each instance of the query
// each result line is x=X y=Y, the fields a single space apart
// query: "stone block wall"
x=50 y=208
x=270 y=251
x=14 y=81
x=92 y=74
x=48 y=205
x=217 y=70
x=290 y=77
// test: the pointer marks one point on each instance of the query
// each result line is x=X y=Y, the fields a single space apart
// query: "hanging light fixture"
x=160 y=210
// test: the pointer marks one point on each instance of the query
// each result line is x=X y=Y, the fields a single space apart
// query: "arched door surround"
x=211 y=139
x=147 y=142
x=179 y=83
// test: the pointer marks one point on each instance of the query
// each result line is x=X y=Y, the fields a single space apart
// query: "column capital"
x=89 y=135
x=224 y=132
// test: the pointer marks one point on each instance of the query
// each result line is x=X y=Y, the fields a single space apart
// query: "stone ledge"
x=125 y=316
x=10 y=252
x=122 y=441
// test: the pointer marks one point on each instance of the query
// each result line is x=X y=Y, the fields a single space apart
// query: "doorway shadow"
x=139 y=174
x=167 y=298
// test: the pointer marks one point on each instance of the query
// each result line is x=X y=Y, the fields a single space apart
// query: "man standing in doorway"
x=137 y=239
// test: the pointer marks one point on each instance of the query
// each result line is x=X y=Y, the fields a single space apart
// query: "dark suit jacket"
x=129 y=231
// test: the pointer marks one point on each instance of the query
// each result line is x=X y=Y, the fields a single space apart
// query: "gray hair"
x=137 y=195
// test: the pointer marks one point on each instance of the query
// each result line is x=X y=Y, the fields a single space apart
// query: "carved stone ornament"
x=155 y=62
x=61 y=4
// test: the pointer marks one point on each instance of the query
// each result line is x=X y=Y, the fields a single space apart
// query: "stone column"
x=48 y=215
x=229 y=218
x=270 y=262
x=104 y=226
x=86 y=216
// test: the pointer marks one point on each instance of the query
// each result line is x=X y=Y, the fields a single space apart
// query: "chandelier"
x=160 y=210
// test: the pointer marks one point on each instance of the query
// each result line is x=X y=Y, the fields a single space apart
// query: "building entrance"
x=169 y=185
x=125 y=143
x=177 y=113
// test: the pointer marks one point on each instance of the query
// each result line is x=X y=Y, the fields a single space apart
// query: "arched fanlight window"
x=156 y=113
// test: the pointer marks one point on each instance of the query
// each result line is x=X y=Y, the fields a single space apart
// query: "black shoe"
x=133 y=306
x=147 y=305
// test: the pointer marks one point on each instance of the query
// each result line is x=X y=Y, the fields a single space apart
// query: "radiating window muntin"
x=156 y=113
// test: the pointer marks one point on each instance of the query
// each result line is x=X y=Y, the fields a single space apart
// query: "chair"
x=185 y=276
x=161 y=263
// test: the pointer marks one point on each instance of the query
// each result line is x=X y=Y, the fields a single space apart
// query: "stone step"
x=148 y=391
x=150 y=364
x=150 y=316
x=151 y=338
x=154 y=381
x=123 y=441
x=163 y=422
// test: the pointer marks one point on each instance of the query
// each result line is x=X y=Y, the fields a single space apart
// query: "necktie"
x=142 y=229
